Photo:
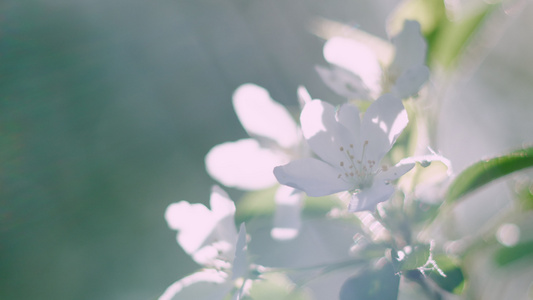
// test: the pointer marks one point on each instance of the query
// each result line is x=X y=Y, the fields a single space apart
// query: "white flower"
x=210 y=237
x=357 y=71
x=248 y=163
x=350 y=151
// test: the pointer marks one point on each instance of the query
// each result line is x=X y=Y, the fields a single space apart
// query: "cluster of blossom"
x=332 y=150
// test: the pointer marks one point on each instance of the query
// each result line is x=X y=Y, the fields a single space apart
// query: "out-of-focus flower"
x=350 y=151
x=211 y=238
x=248 y=164
x=357 y=72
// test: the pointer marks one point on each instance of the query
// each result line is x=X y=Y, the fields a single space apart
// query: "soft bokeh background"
x=107 y=109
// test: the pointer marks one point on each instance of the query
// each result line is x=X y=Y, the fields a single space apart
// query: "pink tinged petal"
x=343 y=82
x=221 y=205
x=193 y=221
x=223 y=209
x=263 y=117
x=357 y=58
x=324 y=134
x=410 y=46
x=368 y=199
x=240 y=263
x=410 y=81
x=312 y=176
x=243 y=164
x=207 y=284
x=382 y=123
x=287 y=217
x=303 y=96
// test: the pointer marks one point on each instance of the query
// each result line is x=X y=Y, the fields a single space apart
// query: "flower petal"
x=263 y=117
x=348 y=116
x=312 y=176
x=240 y=263
x=223 y=209
x=410 y=81
x=194 y=222
x=343 y=82
x=324 y=134
x=410 y=48
x=243 y=164
x=357 y=58
x=368 y=199
x=382 y=123
x=207 y=284
x=395 y=172
x=287 y=217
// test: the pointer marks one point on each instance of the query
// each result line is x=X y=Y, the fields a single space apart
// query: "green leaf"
x=453 y=36
x=276 y=286
x=416 y=259
x=454 y=281
x=261 y=204
x=507 y=255
x=379 y=284
x=484 y=172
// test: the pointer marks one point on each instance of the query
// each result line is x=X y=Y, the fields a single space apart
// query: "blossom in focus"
x=248 y=163
x=210 y=237
x=357 y=72
x=349 y=150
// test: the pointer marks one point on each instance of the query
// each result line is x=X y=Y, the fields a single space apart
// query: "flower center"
x=360 y=172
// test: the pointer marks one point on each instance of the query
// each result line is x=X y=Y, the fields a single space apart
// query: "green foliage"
x=416 y=259
x=261 y=204
x=485 y=171
x=381 y=284
x=446 y=38
x=454 y=282
x=275 y=286
x=507 y=255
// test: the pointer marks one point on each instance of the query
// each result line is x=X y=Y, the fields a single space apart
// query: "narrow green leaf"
x=507 y=255
x=379 y=284
x=416 y=259
x=484 y=172
x=261 y=204
x=454 y=281
x=453 y=36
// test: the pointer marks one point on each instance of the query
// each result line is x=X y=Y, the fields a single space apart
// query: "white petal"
x=223 y=209
x=348 y=116
x=426 y=160
x=410 y=48
x=178 y=215
x=240 y=263
x=357 y=58
x=312 y=176
x=324 y=134
x=287 y=217
x=382 y=123
x=243 y=164
x=410 y=81
x=343 y=82
x=303 y=96
x=207 y=284
x=367 y=199
x=194 y=222
x=261 y=116
x=221 y=205
x=395 y=172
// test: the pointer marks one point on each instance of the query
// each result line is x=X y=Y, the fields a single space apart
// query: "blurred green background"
x=107 y=109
